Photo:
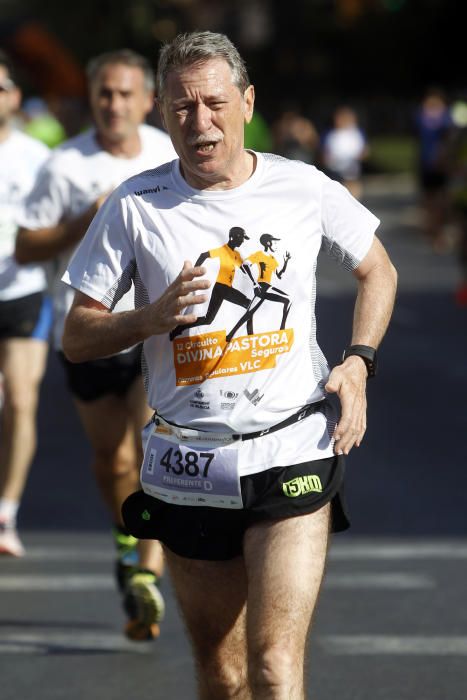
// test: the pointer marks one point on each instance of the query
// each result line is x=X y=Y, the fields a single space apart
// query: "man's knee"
x=222 y=678
x=275 y=666
x=114 y=462
x=20 y=399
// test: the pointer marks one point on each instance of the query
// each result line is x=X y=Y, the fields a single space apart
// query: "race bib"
x=184 y=473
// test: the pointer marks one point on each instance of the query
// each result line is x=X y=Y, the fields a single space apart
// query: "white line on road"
x=360 y=645
x=83 y=553
x=72 y=639
x=425 y=549
x=57 y=582
x=387 y=581
x=98 y=582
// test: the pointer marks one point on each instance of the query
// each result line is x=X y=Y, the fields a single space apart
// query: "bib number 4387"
x=190 y=463
x=182 y=474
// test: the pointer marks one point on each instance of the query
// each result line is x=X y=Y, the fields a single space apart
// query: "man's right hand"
x=164 y=314
x=92 y=331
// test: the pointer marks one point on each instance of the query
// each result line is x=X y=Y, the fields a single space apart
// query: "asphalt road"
x=391 y=622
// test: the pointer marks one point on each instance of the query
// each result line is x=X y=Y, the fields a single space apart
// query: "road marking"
x=71 y=640
x=360 y=645
x=348 y=550
x=411 y=550
x=104 y=582
x=72 y=553
x=57 y=582
x=387 y=581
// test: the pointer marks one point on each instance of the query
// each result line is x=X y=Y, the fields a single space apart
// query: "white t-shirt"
x=77 y=173
x=155 y=221
x=20 y=160
x=343 y=150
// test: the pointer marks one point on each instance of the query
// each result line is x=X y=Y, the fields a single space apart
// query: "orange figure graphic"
x=230 y=260
x=264 y=290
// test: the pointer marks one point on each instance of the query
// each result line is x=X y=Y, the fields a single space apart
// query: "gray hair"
x=122 y=57
x=197 y=47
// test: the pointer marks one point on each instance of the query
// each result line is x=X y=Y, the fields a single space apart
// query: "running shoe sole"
x=145 y=607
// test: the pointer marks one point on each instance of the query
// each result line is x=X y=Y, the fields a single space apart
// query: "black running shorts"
x=114 y=375
x=26 y=317
x=201 y=532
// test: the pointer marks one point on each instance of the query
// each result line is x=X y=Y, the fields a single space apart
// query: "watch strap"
x=368 y=355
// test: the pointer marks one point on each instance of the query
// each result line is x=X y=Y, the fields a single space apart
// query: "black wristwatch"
x=367 y=354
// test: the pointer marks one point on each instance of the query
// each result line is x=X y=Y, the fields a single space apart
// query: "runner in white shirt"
x=344 y=148
x=25 y=315
x=144 y=232
x=108 y=393
x=243 y=465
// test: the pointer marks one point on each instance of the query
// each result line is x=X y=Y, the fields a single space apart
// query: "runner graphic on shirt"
x=229 y=260
x=264 y=291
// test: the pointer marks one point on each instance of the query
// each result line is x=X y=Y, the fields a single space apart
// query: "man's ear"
x=249 y=103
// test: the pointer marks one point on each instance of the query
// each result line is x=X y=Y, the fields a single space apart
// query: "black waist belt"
x=300 y=415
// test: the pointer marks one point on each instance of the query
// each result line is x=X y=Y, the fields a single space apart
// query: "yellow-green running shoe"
x=143 y=603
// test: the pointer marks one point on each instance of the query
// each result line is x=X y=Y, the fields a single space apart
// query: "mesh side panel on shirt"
x=343 y=257
x=317 y=358
x=142 y=299
x=141 y=293
x=320 y=366
x=145 y=371
x=120 y=287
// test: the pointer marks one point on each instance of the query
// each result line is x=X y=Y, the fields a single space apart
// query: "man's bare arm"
x=91 y=331
x=38 y=245
x=377 y=281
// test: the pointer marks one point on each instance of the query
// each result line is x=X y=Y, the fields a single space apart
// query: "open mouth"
x=205 y=148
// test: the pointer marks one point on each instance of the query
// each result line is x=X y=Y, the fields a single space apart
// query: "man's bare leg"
x=285 y=563
x=139 y=413
x=212 y=597
x=105 y=421
x=113 y=426
x=22 y=363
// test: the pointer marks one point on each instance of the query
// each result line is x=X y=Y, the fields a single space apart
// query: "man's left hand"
x=348 y=381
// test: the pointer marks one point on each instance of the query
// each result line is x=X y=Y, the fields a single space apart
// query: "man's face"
x=204 y=113
x=119 y=101
x=10 y=97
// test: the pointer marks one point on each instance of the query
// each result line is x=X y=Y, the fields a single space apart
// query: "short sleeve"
x=348 y=227
x=103 y=266
x=46 y=204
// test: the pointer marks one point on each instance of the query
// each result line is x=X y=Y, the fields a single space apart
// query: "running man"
x=229 y=261
x=267 y=265
x=108 y=393
x=25 y=314
x=244 y=484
